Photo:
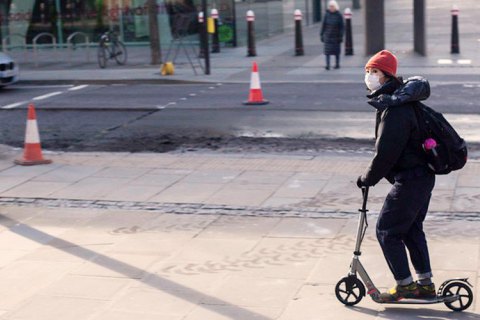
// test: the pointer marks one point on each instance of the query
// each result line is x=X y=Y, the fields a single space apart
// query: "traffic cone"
x=256 y=96
x=32 y=153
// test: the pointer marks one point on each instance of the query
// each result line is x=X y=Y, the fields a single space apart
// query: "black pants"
x=400 y=224
x=337 y=60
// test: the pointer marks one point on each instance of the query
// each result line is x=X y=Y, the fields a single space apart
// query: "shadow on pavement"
x=392 y=313
x=120 y=267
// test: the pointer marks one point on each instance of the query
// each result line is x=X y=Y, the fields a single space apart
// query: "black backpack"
x=450 y=152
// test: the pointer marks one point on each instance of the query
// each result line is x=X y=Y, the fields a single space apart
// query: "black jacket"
x=331 y=33
x=398 y=141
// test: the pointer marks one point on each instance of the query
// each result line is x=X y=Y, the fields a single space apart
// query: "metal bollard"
x=251 y=51
x=201 y=21
x=348 y=32
x=215 y=35
x=356 y=4
x=298 y=33
x=455 y=46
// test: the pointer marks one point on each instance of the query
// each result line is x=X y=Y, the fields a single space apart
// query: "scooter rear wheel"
x=350 y=290
x=463 y=291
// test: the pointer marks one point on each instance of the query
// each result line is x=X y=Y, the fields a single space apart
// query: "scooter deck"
x=425 y=301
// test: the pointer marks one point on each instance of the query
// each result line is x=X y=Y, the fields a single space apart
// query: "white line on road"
x=166 y=105
x=444 y=61
x=14 y=105
x=48 y=95
x=83 y=86
x=464 y=61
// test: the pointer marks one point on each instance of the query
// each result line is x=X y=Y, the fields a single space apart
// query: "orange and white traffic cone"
x=32 y=153
x=256 y=96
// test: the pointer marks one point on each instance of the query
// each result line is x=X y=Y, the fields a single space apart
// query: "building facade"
x=22 y=20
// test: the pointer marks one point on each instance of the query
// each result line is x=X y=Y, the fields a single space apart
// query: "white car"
x=8 y=70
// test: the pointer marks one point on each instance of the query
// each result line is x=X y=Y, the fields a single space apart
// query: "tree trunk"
x=154 y=34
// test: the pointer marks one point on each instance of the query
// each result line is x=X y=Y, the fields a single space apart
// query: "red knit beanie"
x=385 y=61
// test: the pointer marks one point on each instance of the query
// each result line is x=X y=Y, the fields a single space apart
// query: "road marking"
x=166 y=105
x=464 y=61
x=444 y=61
x=211 y=88
x=14 y=105
x=78 y=87
x=48 y=95
x=183 y=99
x=192 y=94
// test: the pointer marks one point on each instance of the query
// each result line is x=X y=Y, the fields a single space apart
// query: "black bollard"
x=201 y=21
x=298 y=33
x=251 y=34
x=356 y=4
x=455 y=47
x=215 y=35
x=348 y=32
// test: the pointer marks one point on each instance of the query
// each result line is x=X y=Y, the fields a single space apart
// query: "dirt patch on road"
x=169 y=143
x=173 y=143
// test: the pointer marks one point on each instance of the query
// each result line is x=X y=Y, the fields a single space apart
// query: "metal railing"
x=71 y=44
x=35 y=45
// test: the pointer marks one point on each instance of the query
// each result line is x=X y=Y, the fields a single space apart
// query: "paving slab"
x=57 y=308
x=155 y=301
x=184 y=192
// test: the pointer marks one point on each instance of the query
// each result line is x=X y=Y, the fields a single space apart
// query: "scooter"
x=456 y=294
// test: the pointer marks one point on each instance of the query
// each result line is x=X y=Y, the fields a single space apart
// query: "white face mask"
x=372 y=81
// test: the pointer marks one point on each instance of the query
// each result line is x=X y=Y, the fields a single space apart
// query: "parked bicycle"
x=109 y=48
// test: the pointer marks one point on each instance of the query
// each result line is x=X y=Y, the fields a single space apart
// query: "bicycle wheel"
x=102 y=56
x=120 y=53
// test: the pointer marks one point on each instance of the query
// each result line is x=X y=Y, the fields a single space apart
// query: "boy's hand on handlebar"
x=361 y=183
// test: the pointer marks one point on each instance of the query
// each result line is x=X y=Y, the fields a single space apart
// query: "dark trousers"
x=400 y=224
x=337 y=60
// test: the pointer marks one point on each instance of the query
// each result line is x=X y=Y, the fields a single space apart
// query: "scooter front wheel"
x=464 y=293
x=350 y=290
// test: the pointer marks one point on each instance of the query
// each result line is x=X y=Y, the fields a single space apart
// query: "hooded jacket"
x=398 y=145
x=331 y=32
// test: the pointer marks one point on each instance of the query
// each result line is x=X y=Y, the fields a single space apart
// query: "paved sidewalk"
x=208 y=236
x=321 y=183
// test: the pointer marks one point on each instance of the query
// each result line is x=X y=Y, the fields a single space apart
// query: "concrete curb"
x=107 y=81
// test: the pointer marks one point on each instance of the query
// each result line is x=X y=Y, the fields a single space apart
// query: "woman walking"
x=331 y=33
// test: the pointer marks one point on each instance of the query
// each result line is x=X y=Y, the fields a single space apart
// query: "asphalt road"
x=141 y=117
x=449 y=98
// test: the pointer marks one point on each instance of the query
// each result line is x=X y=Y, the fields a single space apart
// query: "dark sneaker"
x=426 y=292
x=410 y=291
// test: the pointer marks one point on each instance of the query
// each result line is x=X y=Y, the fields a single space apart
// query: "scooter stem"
x=365 y=198
x=361 y=222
